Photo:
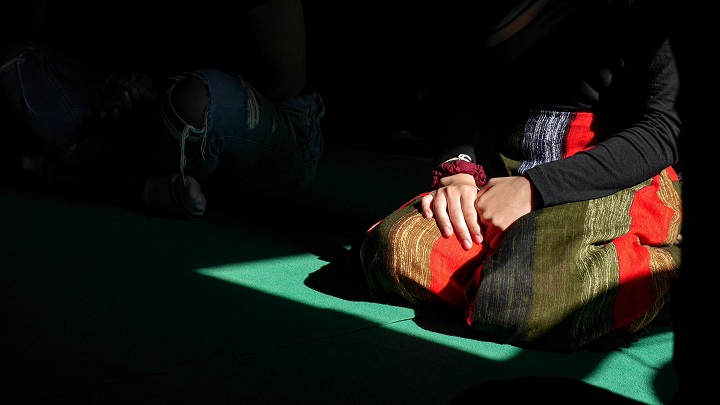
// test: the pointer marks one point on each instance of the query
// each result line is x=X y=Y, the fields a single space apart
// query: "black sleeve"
x=632 y=154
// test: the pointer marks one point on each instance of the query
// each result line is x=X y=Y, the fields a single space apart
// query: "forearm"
x=612 y=166
x=634 y=153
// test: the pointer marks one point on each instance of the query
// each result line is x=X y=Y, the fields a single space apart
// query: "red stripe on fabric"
x=650 y=221
x=580 y=137
x=451 y=268
x=635 y=296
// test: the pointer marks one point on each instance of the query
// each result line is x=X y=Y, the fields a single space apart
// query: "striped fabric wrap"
x=594 y=272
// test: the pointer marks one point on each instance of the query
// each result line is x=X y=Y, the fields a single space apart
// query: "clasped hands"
x=478 y=215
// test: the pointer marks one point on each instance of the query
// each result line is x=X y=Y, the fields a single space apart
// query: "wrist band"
x=456 y=166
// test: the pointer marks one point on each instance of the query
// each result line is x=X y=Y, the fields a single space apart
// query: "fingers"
x=118 y=107
x=465 y=220
x=495 y=241
x=426 y=205
x=121 y=98
x=124 y=107
x=454 y=211
x=493 y=233
x=439 y=207
x=135 y=94
x=490 y=230
x=434 y=204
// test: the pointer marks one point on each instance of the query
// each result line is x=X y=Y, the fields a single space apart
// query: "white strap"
x=461 y=156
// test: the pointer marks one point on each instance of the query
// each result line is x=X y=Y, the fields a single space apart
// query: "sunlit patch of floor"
x=284 y=278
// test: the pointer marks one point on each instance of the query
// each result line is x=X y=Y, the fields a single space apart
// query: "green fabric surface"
x=102 y=303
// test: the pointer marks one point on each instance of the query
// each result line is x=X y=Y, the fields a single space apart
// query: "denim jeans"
x=263 y=144
x=273 y=146
x=51 y=96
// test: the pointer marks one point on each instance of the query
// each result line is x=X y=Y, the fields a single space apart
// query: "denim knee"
x=227 y=116
x=52 y=97
x=183 y=111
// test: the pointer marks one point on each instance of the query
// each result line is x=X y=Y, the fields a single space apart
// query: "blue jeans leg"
x=54 y=98
x=270 y=146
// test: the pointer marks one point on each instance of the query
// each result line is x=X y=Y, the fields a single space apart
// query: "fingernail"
x=467 y=244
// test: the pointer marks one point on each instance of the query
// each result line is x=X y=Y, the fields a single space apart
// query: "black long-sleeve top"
x=612 y=58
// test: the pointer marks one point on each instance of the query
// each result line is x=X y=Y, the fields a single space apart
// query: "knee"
x=190 y=100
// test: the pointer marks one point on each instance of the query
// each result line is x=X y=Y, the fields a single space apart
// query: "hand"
x=117 y=106
x=124 y=96
x=453 y=207
x=478 y=215
x=192 y=197
x=174 y=194
x=500 y=202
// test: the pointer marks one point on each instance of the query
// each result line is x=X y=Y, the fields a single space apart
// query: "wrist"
x=455 y=179
x=458 y=165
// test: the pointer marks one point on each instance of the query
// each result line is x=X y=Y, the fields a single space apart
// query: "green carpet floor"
x=103 y=304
